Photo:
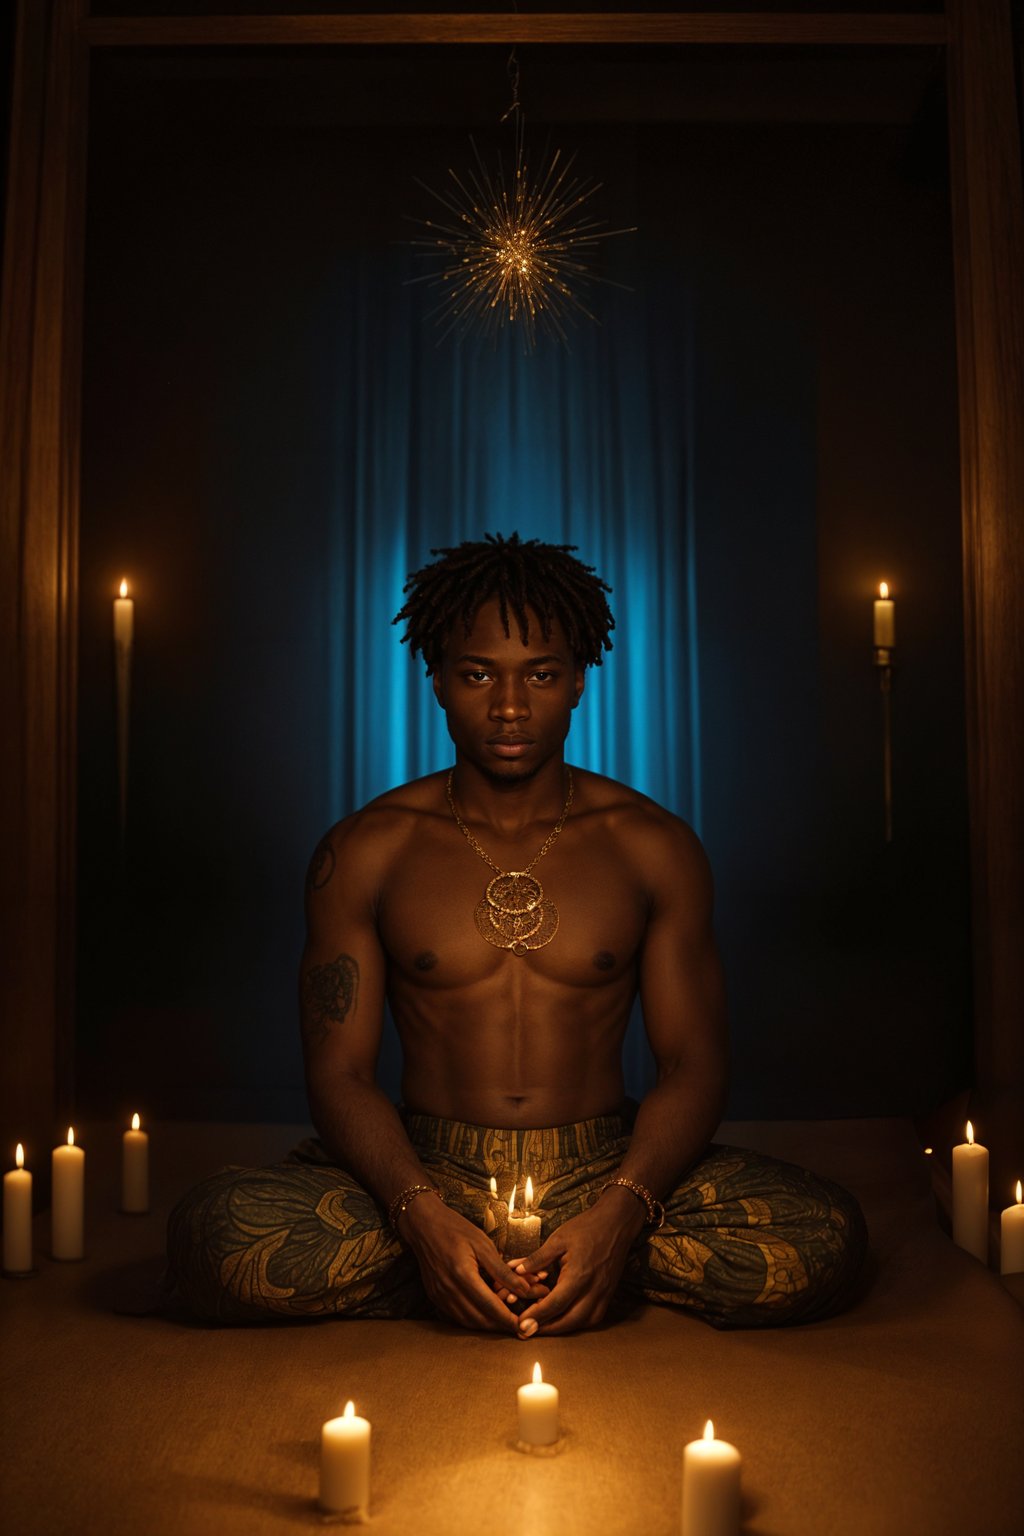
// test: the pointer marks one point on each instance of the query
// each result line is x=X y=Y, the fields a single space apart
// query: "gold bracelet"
x=654 y=1208
x=404 y=1200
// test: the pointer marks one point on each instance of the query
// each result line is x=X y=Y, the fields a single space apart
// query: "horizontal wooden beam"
x=777 y=29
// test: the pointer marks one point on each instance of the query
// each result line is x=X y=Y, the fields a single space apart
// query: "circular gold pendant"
x=514 y=930
x=515 y=892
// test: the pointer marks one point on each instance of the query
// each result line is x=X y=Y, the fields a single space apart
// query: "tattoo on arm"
x=328 y=996
x=321 y=866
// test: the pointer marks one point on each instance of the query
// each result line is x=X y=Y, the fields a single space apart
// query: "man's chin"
x=509 y=773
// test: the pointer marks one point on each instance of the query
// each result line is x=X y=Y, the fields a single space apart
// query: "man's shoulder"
x=623 y=808
x=387 y=820
x=646 y=833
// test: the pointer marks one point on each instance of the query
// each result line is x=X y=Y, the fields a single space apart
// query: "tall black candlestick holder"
x=884 y=668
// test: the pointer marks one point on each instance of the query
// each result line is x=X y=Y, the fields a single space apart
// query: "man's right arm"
x=341 y=998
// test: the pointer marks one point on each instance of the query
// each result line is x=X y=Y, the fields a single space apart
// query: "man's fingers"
x=545 y=1257
x=471 y=1302
x=505 y=1279
x=582 y=1315
x=554 y=1304
x=564 y=1311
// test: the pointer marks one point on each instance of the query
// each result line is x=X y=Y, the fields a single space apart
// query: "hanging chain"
x=486 y=857
x=512 y=70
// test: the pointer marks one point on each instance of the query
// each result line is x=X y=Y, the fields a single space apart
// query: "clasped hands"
x=470 y=1283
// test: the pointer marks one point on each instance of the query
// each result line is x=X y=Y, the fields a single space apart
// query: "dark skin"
x=492 y=1038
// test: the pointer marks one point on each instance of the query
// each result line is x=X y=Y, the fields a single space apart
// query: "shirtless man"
x=511 y=988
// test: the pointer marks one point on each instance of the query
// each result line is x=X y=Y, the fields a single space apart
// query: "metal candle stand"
x=884 y=665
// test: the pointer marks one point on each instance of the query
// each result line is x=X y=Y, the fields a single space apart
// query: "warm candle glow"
x=350 y=1410
x=883 y=589
x=494 y=1186
x=1018 y=1184
x=529 y=1192
x=709 y=1430
x=136 y=1122
x=71 y=1137
x=19 y=1158
x=536 y=1373
x=512 y=1201
x=124 y=588
x=970 y=1134
x=927 y=1151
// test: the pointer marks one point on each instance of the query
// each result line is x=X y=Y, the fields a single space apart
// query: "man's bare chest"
x=445 y=918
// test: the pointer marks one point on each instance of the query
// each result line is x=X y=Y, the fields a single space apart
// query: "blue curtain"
x=439 y=441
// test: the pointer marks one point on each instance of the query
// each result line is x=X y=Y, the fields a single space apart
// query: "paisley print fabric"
x=748 y=1242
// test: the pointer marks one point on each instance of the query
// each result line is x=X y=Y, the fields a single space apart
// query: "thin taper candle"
x=124 y=631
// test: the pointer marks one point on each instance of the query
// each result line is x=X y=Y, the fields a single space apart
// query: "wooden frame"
x=40 y=368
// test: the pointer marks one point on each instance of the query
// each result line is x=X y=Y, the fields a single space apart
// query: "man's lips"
x=510 y=746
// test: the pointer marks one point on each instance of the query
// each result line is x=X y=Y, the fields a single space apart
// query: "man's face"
x=508 y=704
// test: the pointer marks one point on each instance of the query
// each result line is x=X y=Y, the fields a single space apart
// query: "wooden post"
x=988 y=248
x=40 y=353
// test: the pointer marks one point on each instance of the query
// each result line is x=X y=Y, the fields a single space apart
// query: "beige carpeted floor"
x=903 y=1417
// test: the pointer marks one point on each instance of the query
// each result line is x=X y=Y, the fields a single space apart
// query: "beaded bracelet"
x=405 y=1199
x=654 y=1208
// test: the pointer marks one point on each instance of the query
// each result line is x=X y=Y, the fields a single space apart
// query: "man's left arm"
x=683 y=997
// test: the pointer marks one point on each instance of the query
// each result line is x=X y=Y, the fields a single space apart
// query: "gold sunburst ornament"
x=513 y=247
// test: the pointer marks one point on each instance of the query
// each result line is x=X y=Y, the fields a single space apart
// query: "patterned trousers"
x=748 y=1242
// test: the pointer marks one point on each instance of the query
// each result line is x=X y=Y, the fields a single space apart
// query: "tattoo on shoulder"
x=328 y=997
x=321 y=866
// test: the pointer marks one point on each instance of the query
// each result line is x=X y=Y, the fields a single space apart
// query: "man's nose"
x=510 y=701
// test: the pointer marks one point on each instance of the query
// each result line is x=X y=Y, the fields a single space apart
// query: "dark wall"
x=815 y=263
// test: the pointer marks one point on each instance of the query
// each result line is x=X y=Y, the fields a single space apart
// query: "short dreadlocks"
x=520 y=574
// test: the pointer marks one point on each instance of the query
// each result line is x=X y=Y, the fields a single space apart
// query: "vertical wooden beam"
x=40 y=368
x=988 y=247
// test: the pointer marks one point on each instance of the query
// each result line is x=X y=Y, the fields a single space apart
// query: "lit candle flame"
x=136 y=1122
x=883 y=589
x=1018 y=1185
x=536 y=1373
x=124 y=587
x=19 y=1158
x=512 y=1202
x=494 y=1186
x=928 y=1151
x=529 y=1192
x=709 y=1430
x=970 y=1134
x=71 y=1137
x=350 y=1410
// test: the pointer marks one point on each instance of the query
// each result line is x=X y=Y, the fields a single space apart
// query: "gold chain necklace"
x=514 y=913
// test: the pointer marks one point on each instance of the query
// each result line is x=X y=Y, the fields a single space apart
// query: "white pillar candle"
x=885 y=618
x=18 y=1217
x=538 y=1411
x=345 y=1466
x=523 y=1231
x=711 y=1486
x=970 y=1196
x=68 y=1200
x=1011 y=1237
x=135 y=1169
x=124 y=619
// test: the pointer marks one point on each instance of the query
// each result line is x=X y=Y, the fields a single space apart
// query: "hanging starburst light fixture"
x=512 y=247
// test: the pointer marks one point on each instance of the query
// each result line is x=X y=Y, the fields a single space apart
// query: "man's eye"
x=543 y=677
x=477 y=677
